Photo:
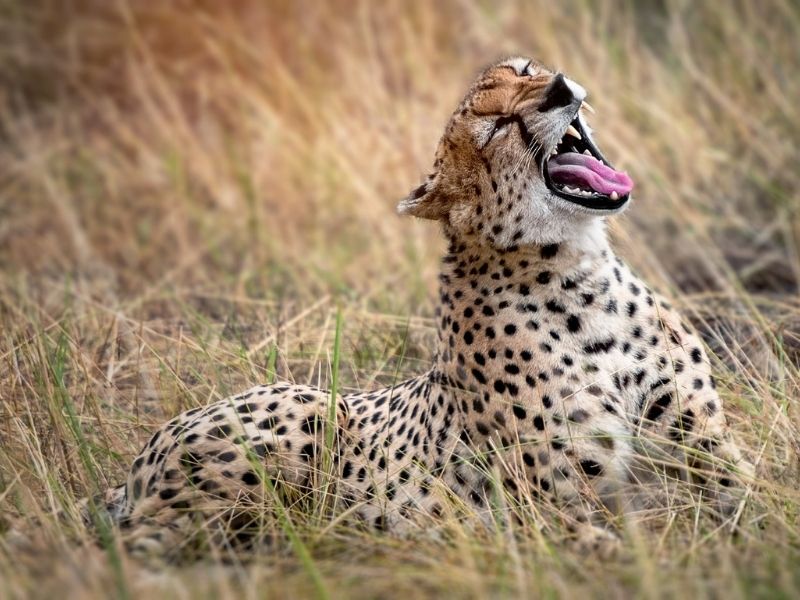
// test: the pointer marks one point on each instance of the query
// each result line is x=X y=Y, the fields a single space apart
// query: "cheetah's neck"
x=484 y=290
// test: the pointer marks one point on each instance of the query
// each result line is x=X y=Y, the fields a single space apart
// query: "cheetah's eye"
x=526 y=70
x=500 y=126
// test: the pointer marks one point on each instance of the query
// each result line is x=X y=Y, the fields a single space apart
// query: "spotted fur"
x=556 y=366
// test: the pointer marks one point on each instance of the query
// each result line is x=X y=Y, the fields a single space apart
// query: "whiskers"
x=524 y=161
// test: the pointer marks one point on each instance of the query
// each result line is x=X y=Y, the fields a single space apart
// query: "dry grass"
x=189 y=190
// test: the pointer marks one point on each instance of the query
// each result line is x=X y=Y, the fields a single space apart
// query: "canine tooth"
x=614 y=196
x=587 y=153
x=587 y=106
x=573 y=132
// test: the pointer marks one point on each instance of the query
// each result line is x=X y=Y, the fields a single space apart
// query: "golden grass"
x=189 y=190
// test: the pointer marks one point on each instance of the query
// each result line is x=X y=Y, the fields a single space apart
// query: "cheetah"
x=556 y=371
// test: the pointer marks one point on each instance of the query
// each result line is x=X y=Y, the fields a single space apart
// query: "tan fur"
x=556 y=370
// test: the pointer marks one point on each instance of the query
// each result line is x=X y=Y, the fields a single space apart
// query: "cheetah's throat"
x=587 y=173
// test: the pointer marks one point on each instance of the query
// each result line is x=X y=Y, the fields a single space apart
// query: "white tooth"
x=614 y=196
x=573 y=132
x=587 y=106
x=587 y=153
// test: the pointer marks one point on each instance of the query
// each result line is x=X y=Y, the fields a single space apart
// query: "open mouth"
x=576 y=171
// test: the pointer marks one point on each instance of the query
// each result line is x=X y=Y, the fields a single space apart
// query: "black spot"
x=167 y=494
x=268 y=423
x=657 y=409
x=190 y=460
x=479 y=377
x=208 y=486
x=578 y=416
x=250 y=478
x=696 y=355
x=310 y=425
x=538 y=422
x=519 y=412
x=220 y=432
x=573 y=324
x=261 y=450
x=510 y=329
x=591 y=468
x=549 y=251
x=137 y=488
x=543 y=277
x=600 y=346
x=308 y=451
x=682 y=425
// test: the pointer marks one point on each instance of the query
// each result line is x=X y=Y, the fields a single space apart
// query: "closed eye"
x=500 y=126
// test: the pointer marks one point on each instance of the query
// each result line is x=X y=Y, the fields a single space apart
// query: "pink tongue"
x=587 y=172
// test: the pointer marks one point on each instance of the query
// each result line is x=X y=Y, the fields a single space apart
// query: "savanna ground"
x=192 y=191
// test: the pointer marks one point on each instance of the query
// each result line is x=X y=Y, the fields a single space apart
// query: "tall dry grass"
x=190 y=189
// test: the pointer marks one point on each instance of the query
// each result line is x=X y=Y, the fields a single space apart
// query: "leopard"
x=559 y=378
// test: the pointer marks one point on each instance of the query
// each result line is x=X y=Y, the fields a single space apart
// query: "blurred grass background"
x=189 y=189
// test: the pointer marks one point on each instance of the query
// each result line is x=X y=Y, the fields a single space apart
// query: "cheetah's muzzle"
x=577 y=171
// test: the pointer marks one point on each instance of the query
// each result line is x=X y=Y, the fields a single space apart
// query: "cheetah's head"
x=517 y=164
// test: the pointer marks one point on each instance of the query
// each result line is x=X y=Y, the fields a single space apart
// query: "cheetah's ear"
x=425 y=201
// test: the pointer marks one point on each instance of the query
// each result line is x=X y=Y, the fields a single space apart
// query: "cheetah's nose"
x=562 y=92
